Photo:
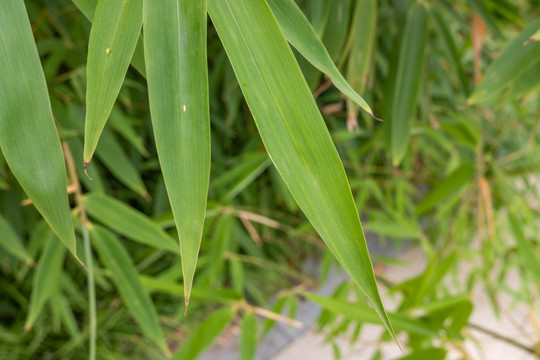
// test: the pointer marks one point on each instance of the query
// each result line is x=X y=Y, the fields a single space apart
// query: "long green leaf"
x=128 y=222
x=294 y=133
x=205 y=334
x=115 y=30
x=366 y=314
x=362 y=37
x=516 y=59
x=411 y=59
x=46 y=278
x=28 y=136
x=175 y=51
x=10 y=241
x=126 y=279
x=301 y=35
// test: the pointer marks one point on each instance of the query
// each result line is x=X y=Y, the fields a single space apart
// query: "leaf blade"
x=294 y=133
x=301 y=35
x=179 y=107
x=113 y=38
x=127 y=281
x=127 y=221
x=28 y=136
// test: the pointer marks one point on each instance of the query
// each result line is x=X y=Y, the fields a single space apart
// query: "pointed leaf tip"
x=85 y=166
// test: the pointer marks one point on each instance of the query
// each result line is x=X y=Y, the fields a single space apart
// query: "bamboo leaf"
x=178 y=92
x=10 y=241
x=516 y=59
x=88 y=8
x=411 y=59
x=366 y=314
x=453 y=182
x=115 y=30
x=248 y=336
x=300 y=34
x=362 y=37
x=294 y=133
x=128 y=221
x=46 y=278
x=126 y=279
x=205 y=334
x=28 y=137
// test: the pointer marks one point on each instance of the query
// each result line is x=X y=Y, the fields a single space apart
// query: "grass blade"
x=28 y=136
x=294 y=133
x=178 y=93
x=205 y=334
x=128 y=222
x=300 y=34
x=127 y=281
x=9 y=240
x=46 y=278
x=411 y=59
x=115 y=30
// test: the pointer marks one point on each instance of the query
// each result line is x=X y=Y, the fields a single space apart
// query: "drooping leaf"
x=46 y=278
x=128 y=221
x=10 y=241
x=205 y=334
x=28 y=137
x=115 y=30
x=301 y=35
x=294 y=132
x=516 y=59
x=409 y=73
x=175 y=51
x=125 y=277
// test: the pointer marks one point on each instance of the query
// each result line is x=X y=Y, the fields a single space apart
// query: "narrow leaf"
x=248 y=336
x=115 y=30
x=366 y=314
x=300 y=34
x=126 y=279
x=516 y=59
x=205 y=334
x=128 y=222
x=409 y=73
x=447 y=186
x=175 y=51
x=46 y=278
x=28 y=136
x=10 y=241
x=294 y=133
x=362 y=41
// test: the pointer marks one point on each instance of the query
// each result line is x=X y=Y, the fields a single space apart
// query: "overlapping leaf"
x=175 y=52
x=301 y=35
x=294 y=132
x=115 y=30
x=28 y=137
x=126 y=279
